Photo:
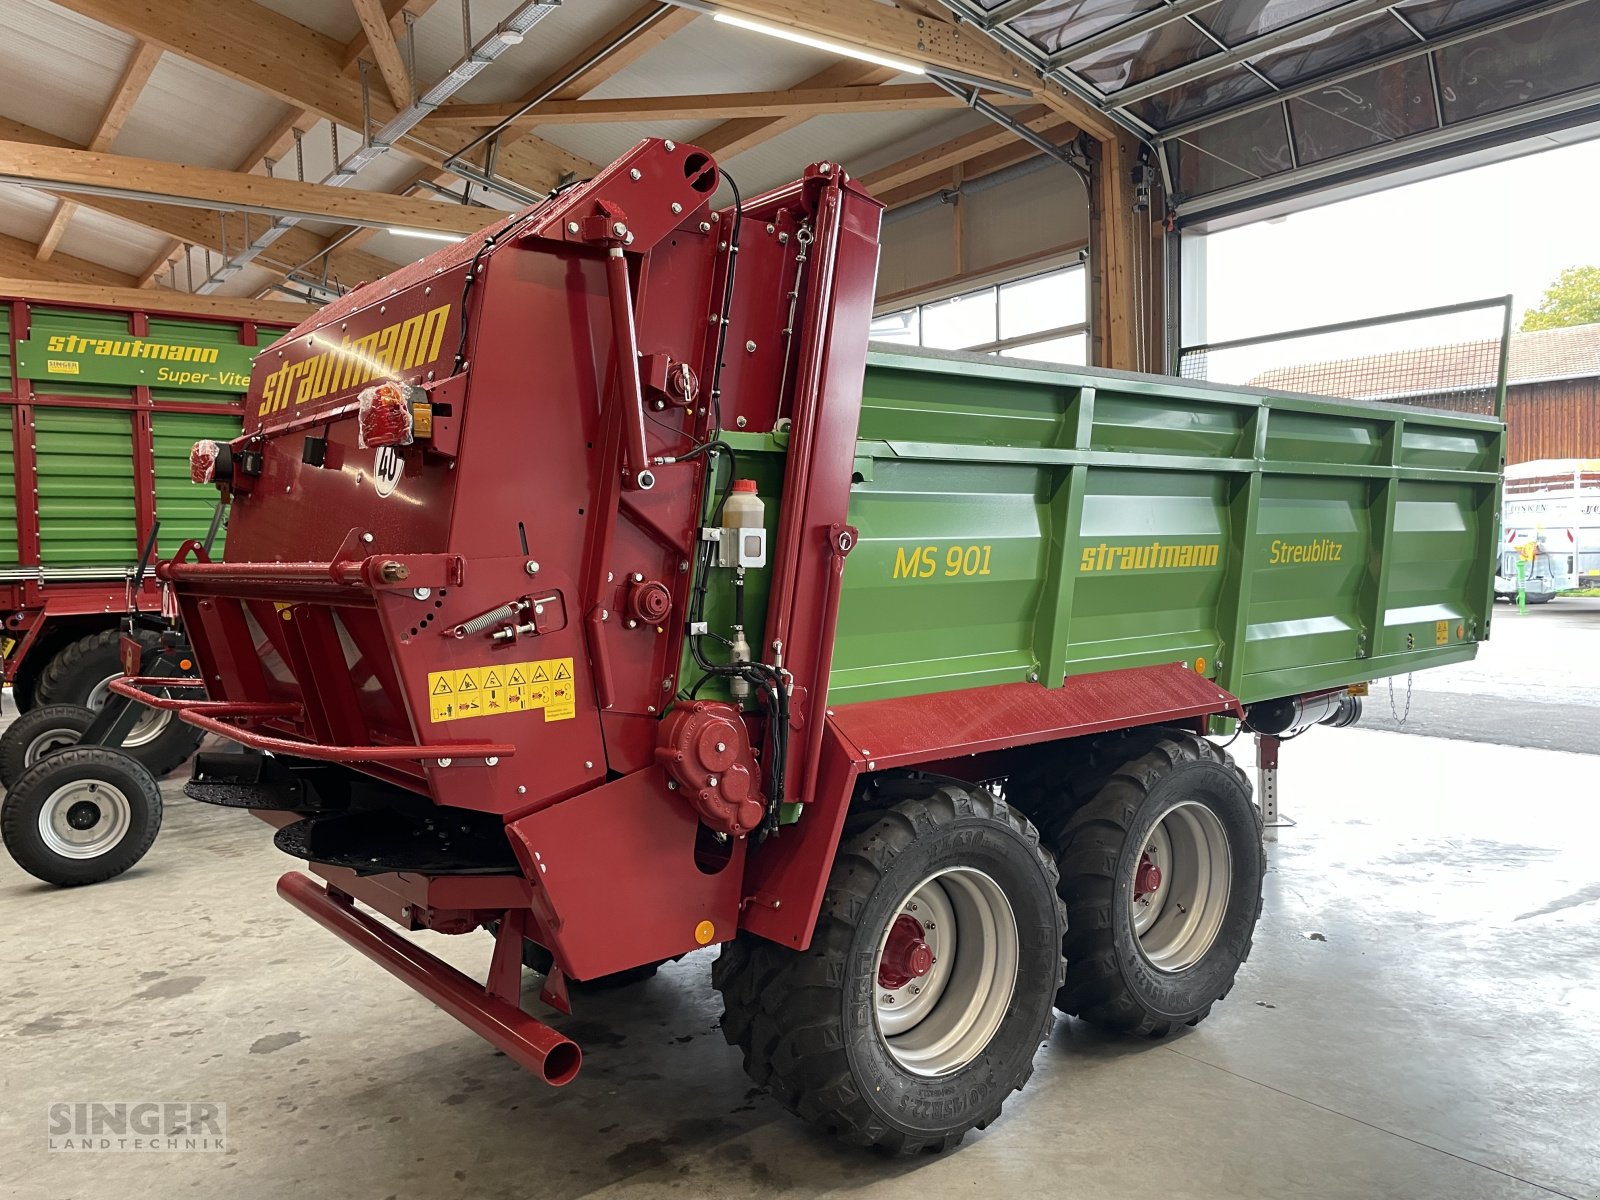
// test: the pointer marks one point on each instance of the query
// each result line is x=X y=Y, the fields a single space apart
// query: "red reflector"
x=203 y=461
x=130 y=652
x=385 y=416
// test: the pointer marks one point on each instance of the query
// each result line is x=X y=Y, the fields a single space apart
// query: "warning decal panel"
x=489 y=691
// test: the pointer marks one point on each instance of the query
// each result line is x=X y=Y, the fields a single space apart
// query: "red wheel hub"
x=906 y=955
x=1147 y=879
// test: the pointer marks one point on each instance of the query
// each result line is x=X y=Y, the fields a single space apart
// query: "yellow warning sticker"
x=504 y=688
x=1441 y=633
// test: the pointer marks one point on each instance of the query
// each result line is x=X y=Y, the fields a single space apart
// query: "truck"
x=594 y=582
x=1555 y=504
x=99 y=405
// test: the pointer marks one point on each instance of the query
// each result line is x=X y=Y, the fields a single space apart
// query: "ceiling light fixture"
x=816 y=43
x=430 y=234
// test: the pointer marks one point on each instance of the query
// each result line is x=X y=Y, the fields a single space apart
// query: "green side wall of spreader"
x=1019 y=522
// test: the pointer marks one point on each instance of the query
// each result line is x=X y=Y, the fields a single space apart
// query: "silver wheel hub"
x=84 y=819
x=151 y=721
x=1181 y=881
x=48 y=741
x=946 y=969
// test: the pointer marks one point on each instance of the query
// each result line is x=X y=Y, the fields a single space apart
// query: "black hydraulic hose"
x=727 y=302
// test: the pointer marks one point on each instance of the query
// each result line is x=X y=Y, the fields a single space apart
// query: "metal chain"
x=1400 y=717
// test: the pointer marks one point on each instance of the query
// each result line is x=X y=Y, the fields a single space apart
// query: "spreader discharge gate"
x=534 y=616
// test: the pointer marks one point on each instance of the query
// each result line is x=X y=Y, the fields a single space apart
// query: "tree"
x=1573 y=299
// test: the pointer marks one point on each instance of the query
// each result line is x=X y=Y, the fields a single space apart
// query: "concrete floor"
x=1532 y=684
x=1420 y=1018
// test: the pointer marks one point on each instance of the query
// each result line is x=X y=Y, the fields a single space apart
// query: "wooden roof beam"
x=385 y=50
x=742 y=133
x=805 y=102
x=179 y=302
x=611 y=52
x=918 y=35
x=257 y=46
x=1013 y=152
x=134 y=76
x=587 y=69
x=55 y=169
x=199 y=228
x=937 y=160
x=20 y=260
x=394 y=12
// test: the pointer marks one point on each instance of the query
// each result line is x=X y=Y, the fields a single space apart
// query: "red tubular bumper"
x=526 y=1040
x=214 y=715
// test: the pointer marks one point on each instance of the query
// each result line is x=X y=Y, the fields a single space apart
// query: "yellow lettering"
x=56 y=344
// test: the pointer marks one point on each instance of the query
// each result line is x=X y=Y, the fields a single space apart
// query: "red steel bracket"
x=525 y=1039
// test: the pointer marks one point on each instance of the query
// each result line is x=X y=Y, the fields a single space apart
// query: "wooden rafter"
x=394 y=12
x=385 y=50
x=919 y=35
x=20 y=260
x=125 y=297
x=193 y=226
x=52 y=168
x=998 y=159
x=266 y=50
x=591 y=66
x=800 y=101
x=740 y=134
x=276 y=146
x=938 y=160
x=134 y=76
x=603 y=57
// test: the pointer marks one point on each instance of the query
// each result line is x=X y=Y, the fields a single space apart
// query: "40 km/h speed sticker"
x=545 y=684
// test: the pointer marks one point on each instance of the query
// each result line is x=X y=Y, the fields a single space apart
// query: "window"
x=1044 y=316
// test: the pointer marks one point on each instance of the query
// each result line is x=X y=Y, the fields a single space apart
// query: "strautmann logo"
x=347 y=364
x=1158 y=556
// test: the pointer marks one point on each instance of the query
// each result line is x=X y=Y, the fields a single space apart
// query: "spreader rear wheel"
x=1161 y=872
x=82 y=815
x=38 y=732
x=927 y=987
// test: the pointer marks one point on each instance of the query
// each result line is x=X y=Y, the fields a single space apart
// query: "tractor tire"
x=926 y=991
x=1161 y=868
x=79 y=673
x=81 y=816
x=38 y=732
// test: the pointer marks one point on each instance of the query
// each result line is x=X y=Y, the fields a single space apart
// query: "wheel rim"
x=946 y=967
x=1181 y=881
x=84 y=818
x=151 y=720
x=48 y=741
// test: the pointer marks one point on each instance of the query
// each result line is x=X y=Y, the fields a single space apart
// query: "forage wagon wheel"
x=927 y=987
x=81 y=673
x=81 y=815
x=1161 y=869
x=38 y=732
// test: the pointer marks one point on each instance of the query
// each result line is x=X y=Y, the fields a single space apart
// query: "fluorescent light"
x=430 y=234
x=816 y=43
